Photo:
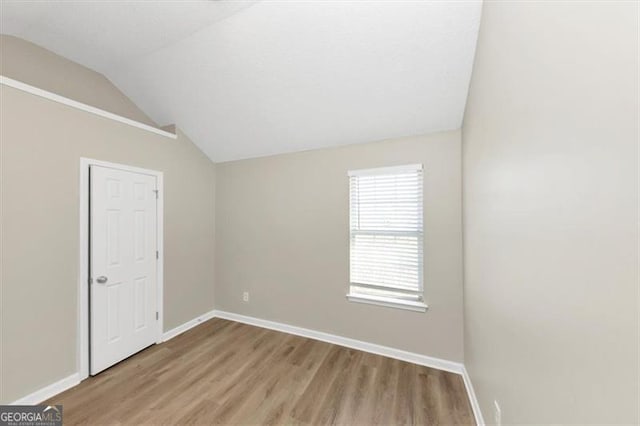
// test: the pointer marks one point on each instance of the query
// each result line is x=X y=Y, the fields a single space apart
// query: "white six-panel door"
x=123 y=269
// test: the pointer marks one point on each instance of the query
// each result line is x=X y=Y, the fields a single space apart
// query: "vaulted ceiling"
x=253 y=78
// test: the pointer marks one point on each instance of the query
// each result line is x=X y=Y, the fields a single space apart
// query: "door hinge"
x=156 y=191
x=157 y=254
x=157 y=316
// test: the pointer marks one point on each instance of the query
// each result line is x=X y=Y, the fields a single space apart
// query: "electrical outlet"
x=497 y=413
x=245 y=296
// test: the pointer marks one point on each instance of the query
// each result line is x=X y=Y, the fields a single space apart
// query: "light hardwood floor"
x=223 y=372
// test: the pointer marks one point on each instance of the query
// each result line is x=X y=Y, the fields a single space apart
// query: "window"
x=386 y=236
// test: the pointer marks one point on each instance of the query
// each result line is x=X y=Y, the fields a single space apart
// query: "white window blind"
x=387 y=235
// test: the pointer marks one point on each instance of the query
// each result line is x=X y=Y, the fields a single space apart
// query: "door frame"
x=83 y=273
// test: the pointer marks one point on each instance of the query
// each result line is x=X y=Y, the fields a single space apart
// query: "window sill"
x=388 y=302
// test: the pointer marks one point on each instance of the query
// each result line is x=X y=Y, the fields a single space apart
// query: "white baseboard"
x=168 y=335
x=475 y=406
x=49 y=391
x=440 y=364
x=427 y=361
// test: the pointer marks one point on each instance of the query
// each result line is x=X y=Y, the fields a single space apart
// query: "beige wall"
x=282 y=234
x=41 y=144
x=550 y=147
x=39 y=67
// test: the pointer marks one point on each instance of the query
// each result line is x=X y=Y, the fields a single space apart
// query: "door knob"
x=101 y=279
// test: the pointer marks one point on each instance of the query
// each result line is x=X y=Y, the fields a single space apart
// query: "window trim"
x=386 y=170
x=391 y=302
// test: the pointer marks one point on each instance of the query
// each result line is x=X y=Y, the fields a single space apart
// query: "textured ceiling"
x=106 y=34
x=247 y=79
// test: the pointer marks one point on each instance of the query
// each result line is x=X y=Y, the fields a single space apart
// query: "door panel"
x=123 y=264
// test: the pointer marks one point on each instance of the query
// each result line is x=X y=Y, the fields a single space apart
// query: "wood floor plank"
x=223 y=372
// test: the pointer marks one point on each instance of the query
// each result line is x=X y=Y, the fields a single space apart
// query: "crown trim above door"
x=9 y=82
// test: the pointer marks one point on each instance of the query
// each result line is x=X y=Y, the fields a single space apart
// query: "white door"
x=123 y=266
